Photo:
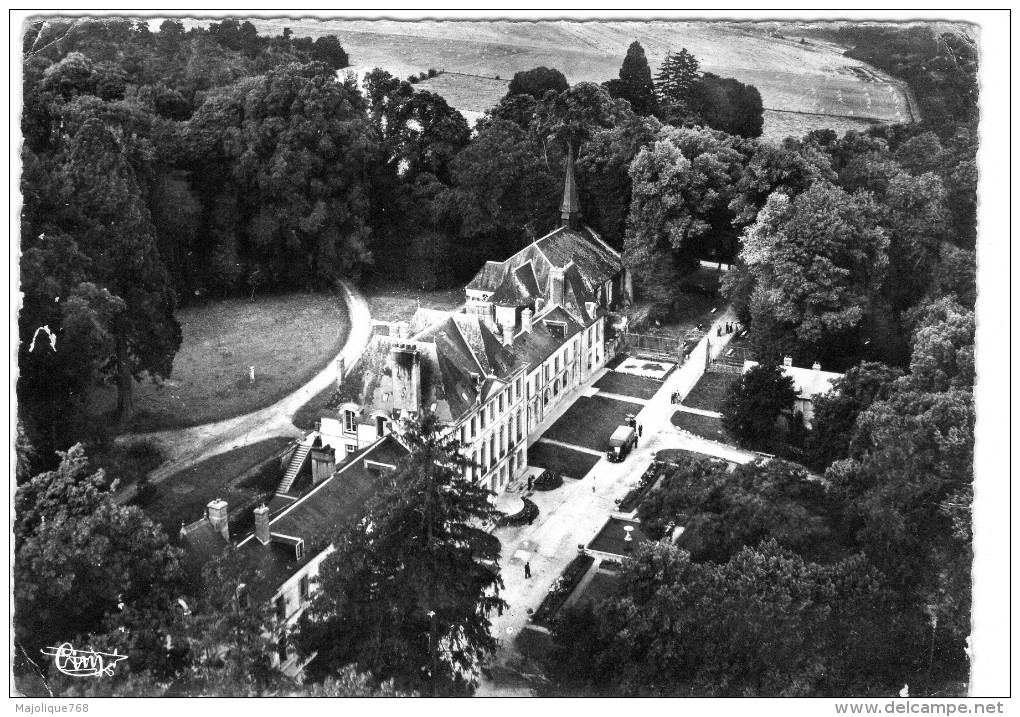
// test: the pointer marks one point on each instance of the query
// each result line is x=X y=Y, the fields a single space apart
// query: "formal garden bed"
x=549 y=480
x=636 y=494
x=561 y=589
x=523 y=517
x=624 y=384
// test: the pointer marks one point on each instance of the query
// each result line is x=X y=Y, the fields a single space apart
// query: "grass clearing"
x=391 y=302
x=601 y=586
x=591 y=421
x=288 y=339
x=710 y=391
x=704 y=426
x=564 y=461
x=182 y=497
x=627 y=385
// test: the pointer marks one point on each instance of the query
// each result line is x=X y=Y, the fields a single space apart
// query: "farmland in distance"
x=804 y=85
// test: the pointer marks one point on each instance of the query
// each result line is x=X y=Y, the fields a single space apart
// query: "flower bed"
x=561 y=589
x=634 y=497
x=527 y=514
x=548 y=481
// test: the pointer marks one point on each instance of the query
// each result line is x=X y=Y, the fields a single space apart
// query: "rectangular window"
x=351 y=449
x=474 y=465
x=492 y=412
x=484 y=466
x=281 y=608
x=520 y=433
x=349 y=425
x=463 y=435
x=501 y=403
x=556 y=364
x=545 y=372
x=517 y=388
x=502 y=441
x=304 y=587
x=529 y=389
x=380 y=426
x=473 y=427
x=492 y=447
x=481 y=416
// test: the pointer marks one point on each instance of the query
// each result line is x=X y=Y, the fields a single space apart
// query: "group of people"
x=728 y=328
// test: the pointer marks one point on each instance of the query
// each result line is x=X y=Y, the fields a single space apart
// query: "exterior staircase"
x=296 y=462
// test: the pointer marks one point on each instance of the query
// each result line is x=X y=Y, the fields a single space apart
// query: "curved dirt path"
x=184 y=447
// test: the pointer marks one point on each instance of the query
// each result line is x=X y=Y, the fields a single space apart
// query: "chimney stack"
x=407 y=377
x=526 y=319
x=323 y=462
x=262 y=524
x=556 y=286
x=218 y=513
x=816 y=366
x=788 y=361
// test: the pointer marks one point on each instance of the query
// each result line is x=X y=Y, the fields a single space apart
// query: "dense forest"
x=175 y=166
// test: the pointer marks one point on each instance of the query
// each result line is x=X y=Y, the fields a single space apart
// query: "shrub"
x=527 y=514
x=548 y=481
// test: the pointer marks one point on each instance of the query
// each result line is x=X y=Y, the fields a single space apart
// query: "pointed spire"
x=570 y=210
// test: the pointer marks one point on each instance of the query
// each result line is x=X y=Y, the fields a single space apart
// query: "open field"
x=183 y=497
x=809 y=77
x=591 y=421
x=288 y=339
x=709 y=392
x=388 y=302
x=564 y=461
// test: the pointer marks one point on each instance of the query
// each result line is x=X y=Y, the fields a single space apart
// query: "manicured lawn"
x=288 y=339
x=705 y=426
x=183 y=496
x=709 y=392
x=391 y=302
x=627 y=385
x=566 y=462
x=591 y=421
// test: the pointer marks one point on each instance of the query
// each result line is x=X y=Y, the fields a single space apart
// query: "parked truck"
x=622 y=442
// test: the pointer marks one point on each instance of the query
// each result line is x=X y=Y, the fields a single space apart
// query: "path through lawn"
x=288 y=339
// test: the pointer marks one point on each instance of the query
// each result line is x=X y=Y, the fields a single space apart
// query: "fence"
x=664 y=346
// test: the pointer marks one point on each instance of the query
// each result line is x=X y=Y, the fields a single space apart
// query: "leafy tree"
x=943 y=348
x=505 y=191
x=298 y=145
x=816 y=263
x=603 y=174
x=836 y=412
x=755 y=402
x=428 y=134
x=537 y=81
x=723 y=511
x=679 y=210
x=327 y=49
x=80 y=558
x=104 y=202
x=636 y=80
x=728 y=105
x=405 y=595
x=784 y=168
x=766 y=623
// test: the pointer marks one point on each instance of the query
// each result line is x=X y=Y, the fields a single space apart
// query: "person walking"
x=639 y=429
x=531 y=482
x=527 y=571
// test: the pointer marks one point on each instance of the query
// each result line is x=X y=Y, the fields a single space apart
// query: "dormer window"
x=557 y=329
x=299 y=550
x=350 y=426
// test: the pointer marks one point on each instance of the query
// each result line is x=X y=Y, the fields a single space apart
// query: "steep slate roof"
x=339 y=501
x=596 y=263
